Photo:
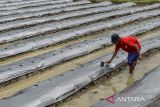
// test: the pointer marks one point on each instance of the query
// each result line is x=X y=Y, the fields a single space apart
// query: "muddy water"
x=113 y=84
x=51 y=72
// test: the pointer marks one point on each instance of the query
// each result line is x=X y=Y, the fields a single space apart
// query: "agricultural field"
x=142 y=2
x=51 y=51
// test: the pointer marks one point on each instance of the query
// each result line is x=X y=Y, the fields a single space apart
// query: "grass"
x=135 y=1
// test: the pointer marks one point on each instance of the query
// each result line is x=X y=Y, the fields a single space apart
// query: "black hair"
x=114 y=38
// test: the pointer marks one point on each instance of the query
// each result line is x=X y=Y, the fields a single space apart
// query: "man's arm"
x=137 y=50
x=136 y=45
x=113 y=56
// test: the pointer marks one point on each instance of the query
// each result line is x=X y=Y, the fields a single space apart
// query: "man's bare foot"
x=131 y=73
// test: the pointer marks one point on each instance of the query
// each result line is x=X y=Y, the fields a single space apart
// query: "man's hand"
x=109 y=61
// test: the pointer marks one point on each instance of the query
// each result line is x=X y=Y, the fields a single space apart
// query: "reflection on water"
x=130 y=80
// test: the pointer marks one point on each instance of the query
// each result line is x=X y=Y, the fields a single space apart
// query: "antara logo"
x=112 y=99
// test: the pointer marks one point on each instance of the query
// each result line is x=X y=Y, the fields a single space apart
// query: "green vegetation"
x=135 y=1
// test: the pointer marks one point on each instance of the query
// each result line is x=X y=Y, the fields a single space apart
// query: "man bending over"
x=129 y=44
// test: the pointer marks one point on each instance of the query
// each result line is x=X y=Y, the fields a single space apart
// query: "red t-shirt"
x=127 y=44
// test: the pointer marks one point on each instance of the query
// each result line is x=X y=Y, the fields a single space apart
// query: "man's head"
x=115 y=38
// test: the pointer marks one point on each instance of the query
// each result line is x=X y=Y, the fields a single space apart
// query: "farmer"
x=129 y=44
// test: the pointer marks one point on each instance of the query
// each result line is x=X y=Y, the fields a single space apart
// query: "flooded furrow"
x=53 y=71
x=112 y=85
